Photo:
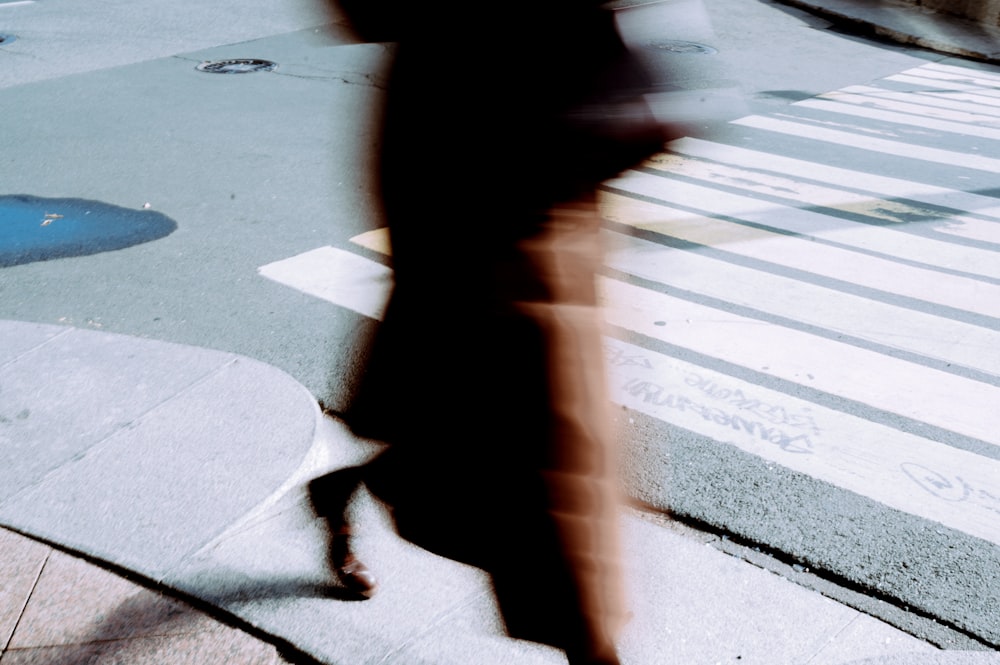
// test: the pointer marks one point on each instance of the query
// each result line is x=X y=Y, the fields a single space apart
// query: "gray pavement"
x=908 y=23
x=183 y=466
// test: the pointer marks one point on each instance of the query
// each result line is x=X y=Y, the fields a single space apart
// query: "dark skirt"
x=486 y=376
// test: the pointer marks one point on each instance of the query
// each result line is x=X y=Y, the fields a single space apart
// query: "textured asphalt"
x=185 y=466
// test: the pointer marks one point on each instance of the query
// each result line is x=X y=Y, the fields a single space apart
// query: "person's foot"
x=352 y=573
x=604 y=656
x=329 y=496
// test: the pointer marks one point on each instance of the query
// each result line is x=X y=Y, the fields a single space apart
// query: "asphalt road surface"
x=802 y=293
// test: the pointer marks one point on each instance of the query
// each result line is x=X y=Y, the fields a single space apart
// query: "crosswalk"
x=819 y=287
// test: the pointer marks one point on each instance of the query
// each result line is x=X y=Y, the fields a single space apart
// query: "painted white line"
x=376 y=240
x=884 y=240
x=16 y=3
x=926 y=395
x=978 y=100
x=958 y=74
x=852 y=267
x=961 y=73
x=948 y=88
x=336 y=276
x=961 y=344
x=902 y=118
x=883 y=187
x=872 y=143
x=903 y=471
x=918 y=104
x=912 y=474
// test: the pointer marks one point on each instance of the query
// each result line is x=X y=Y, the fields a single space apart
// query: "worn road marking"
x=881 y=187
x=872 y=143
x=337 y=276
x=736 y=268
x=927 y=395
x=822 y=260
x=915 y=475
x=810 y=306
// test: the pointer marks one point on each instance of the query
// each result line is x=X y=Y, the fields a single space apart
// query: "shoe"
x=352 y=573
x=329 y=497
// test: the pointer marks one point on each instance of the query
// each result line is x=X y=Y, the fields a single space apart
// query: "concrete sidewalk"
x=183 y=469
x=908 y=24
x=152 y=495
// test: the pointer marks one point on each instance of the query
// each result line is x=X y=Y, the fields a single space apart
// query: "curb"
x=907 y=24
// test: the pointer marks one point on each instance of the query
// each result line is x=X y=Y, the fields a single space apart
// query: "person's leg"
x=330 y=497
x=581 y=472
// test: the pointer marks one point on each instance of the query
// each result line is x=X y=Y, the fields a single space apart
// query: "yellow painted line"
x=376 y=240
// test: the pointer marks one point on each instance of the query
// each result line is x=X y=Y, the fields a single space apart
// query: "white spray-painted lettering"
x=772 y=413
x=659 y=395
x=950 y=487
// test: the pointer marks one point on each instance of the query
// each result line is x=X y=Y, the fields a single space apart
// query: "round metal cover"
x=239 y=66
x=678 y=46
x=6 y=39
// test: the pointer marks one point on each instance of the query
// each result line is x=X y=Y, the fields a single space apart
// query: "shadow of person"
x=153 y=623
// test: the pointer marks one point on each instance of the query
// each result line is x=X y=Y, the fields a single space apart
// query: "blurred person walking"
x=486 y=376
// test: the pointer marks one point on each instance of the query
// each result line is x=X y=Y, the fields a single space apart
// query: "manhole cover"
x=241 y=66
x=6 y=39
x=678 y=46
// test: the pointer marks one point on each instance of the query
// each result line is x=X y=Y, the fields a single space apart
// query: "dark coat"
x=495 y=114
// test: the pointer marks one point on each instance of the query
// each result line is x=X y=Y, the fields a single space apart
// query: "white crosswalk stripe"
x=809 y=306
x=842 y=323
x=871 y=141
x=779 y=282
x=907 y=102
x=907 y=472
x=883 y=202
x=821 y=260
x=338 y=276
x=904 y=116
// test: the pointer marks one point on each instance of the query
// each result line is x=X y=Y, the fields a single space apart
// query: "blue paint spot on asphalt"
x=40 y=229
